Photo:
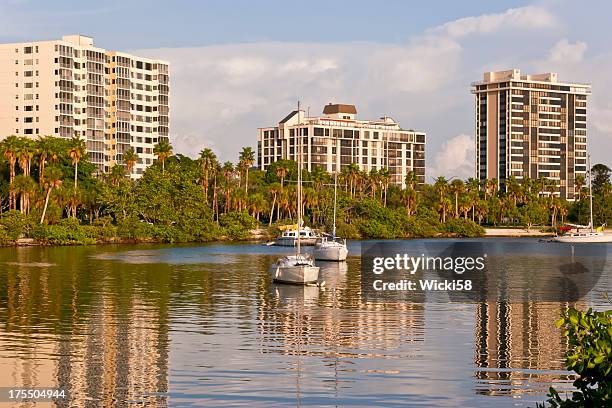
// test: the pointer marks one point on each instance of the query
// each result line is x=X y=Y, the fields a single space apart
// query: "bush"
x=66 y=233
x=375 y=229
x=5 y=239
x=463 y=228
x=237 y=225
x=590 y=356
x=16 y=224
x=348 y=231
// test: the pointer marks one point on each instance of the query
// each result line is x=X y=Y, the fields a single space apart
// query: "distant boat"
x=299 y=268
x=289 y=237
x=331 y=248
x=575 y=233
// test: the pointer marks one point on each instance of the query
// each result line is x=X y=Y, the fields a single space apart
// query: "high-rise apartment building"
x=337 y=139
x=69 y=87
x=531 y=126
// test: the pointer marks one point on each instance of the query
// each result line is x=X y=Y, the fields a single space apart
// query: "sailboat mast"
x=335 y=199
x=590 y=191
x=298 y=134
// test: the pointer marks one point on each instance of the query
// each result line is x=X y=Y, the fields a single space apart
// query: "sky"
x=237 y=65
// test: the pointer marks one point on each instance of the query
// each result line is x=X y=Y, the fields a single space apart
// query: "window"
x=27 y=73
x=27 y=50
x=28 y=131
x=28 y=120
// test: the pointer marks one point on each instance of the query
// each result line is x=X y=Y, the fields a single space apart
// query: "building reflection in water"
x=62 y=331
x=512 y=341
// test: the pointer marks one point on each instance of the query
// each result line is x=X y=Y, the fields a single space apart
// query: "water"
x=203 y=326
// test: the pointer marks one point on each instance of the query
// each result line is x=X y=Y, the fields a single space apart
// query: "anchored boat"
x=297 y=269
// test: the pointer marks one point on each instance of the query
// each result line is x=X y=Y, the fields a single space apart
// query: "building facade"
x=531 y=126
x=337 y=139
x=70 y=88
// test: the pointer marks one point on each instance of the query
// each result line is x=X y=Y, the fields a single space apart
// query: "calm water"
x=203 y=326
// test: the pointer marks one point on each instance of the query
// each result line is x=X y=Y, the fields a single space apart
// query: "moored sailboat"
x=331 y=248
x=577 y=233
x=300 y=268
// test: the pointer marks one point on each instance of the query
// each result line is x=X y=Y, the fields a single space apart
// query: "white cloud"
x=221 y=94
x=455 y=158
x=522 y=17
x=564 y=51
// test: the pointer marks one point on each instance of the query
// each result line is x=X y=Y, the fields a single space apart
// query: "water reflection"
x=517 y=344
x=156 y=327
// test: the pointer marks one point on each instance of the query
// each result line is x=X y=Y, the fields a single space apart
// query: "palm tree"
x=207 y=161
x=163 y=150
x=228 y=173
x=443 y=207
x=76 y=153
x=53 y=180
x=513 y=188
x=257 y=204
x=385 y=177
x=24 y=186
x=247 y=159
x=116 y=174
x=411 y=180
x=373 y=179
x=273 y=189
x=46 y=149
x=281 y=171
x=216 y=169
x=9 y=150
x=409 y=198
x=130 y=158
x=579 y=183
x=25 y=153
x=457 y=187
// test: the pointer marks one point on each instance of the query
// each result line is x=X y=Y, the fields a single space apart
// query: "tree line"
x=49 y=187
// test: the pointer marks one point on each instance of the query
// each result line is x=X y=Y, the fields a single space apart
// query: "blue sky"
x=238 y=65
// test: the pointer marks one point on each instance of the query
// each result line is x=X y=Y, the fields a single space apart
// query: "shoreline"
x=258 y=238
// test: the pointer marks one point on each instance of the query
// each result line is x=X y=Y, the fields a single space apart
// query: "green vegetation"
x=49 y=192
x=590 y=356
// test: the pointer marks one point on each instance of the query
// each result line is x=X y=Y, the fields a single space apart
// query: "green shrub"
x=16 y=224
x=590 y=356
x=375 y=229
x=463 y=228
x=65 y=233
x=348 y=231
x=237 y=225
x=5 y=239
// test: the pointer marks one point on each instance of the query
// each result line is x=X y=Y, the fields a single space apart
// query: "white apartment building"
x=337 y=139
x=531 y=126
x=69 y=87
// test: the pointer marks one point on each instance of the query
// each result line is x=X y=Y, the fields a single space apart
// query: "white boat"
x=576 y=236
x=297 y=269
x=289 y=237
x=331 y=248
x=584 y=237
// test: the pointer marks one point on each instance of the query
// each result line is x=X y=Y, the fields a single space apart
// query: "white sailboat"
x=331 y=248
x=585 y=234
x=300 y=268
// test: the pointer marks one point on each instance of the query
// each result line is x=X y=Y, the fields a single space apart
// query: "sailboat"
x=331 y=248
x=577 y=233
x=299 y=268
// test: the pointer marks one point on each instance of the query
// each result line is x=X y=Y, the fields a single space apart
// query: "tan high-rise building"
x=337 y=139
x=69 y=87
x=531 y=126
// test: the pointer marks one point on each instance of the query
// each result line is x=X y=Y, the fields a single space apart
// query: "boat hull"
x=294 y=274
x=337 y=253
x=594 y=237
x=285 y=241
